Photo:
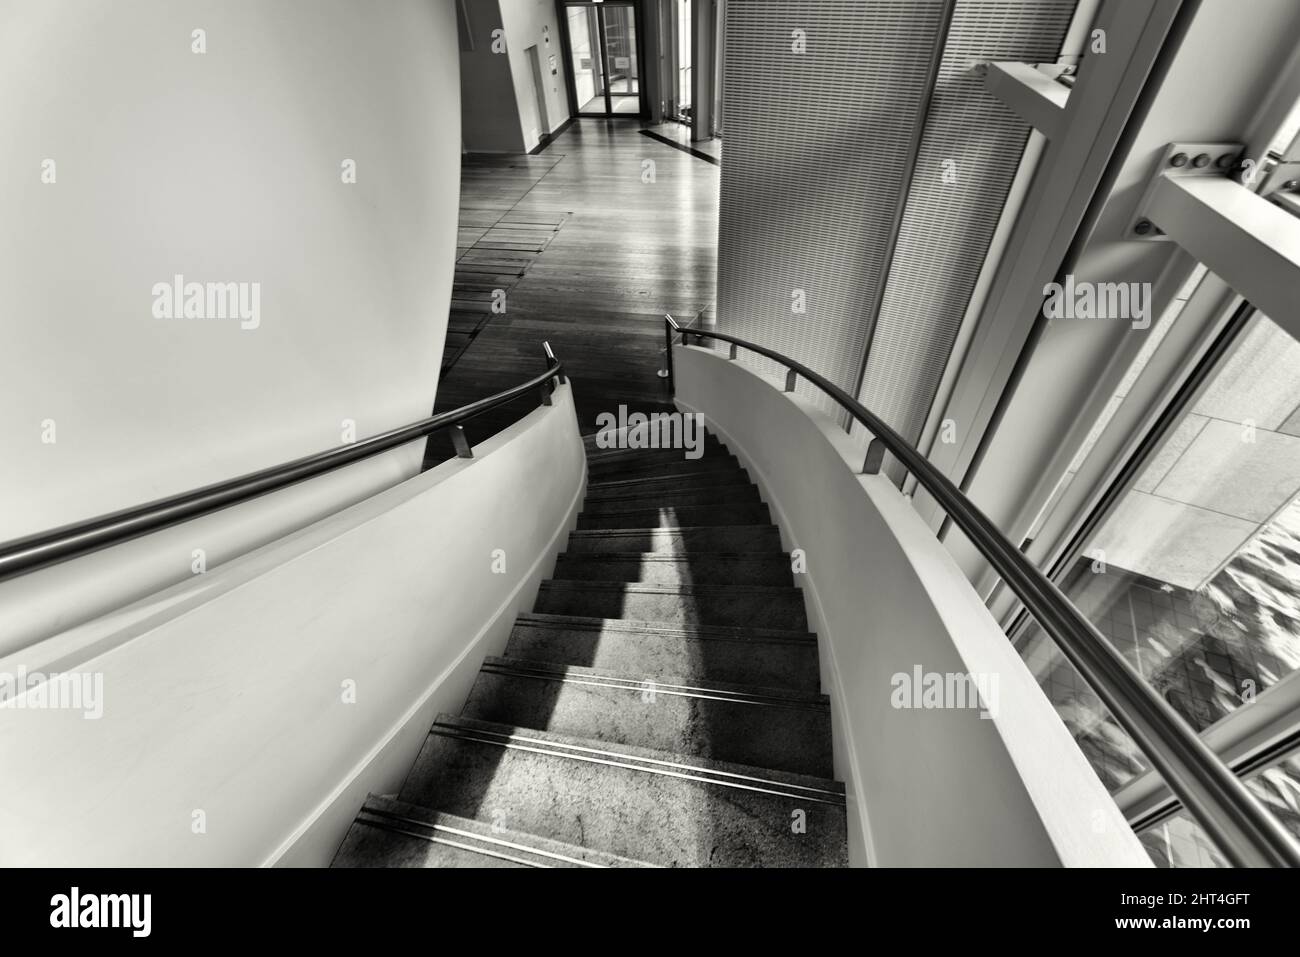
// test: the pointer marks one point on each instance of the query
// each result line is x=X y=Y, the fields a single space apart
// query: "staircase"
x=660 y=706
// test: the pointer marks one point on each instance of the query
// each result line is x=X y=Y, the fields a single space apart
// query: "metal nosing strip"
x=487 y=852
x=699 y=775
x=386 y=817
x=683 y=691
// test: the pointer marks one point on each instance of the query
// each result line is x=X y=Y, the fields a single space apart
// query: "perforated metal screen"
x=816 y=165
x=812 y=166
x=969 y=153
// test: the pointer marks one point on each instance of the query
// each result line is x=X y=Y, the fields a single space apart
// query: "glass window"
x=684 y=59
x=1179 y=842
x=1195 y=575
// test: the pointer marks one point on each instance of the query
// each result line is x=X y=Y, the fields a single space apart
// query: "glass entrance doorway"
x=604 y=69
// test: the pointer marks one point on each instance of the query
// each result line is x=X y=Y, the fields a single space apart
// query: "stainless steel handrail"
x=19 y=556
x=1241 y=827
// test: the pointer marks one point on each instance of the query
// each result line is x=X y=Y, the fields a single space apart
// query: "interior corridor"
x=633 y=229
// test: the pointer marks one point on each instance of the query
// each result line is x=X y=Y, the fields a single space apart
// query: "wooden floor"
x=591 y=257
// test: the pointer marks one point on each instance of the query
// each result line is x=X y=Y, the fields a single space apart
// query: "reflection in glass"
x=620 y=53
x=1195 y=576
x=588 y=67
x=684 y=60
x=1179 y=842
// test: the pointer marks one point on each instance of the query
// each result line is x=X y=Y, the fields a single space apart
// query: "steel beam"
x=1250 y=243
x=1031 y=94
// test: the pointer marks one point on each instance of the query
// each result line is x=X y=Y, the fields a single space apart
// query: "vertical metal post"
x=668 y=353
x=732 y=352
x=552 y=362
x=790 y=378
x=875 y=457
x=460 y=443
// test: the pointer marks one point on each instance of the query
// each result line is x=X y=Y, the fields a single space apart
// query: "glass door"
x=586 y=59
x=623 y=78
x=682 y=34
x=604 y=68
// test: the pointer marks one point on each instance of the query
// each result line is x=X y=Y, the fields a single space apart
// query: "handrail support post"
x=875 y=457
x=552 y=362
x=460 y=443
x=668 y=354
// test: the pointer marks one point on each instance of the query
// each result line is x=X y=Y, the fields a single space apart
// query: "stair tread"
x=617 y=457
x=660 y=530
x=649 y=759
x=647 y=588
x=637 y=802
x=772 y=567
x=623 y=447
x=771 y=728
x=626 y=469
x=735 y=633
x=661 y=480
x=631 y=506
x=638 y=487
x=666 y=496
x=783 y=660
x=409 y=835
x=776 y=557
x=661 y=681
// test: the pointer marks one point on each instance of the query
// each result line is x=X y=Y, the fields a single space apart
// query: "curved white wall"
x=227 y=695
x=927 y=787
x=222 y=166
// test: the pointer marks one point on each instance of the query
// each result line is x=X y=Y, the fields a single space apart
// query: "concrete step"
x=666 y=516
x=392 y=833
x=666 y=483
x=635 y=803
x=676 y=541
x=730 y=494
x=711 y=447
x=752 y=656
x=757 y=606
x=657 y=465
x=712 y=568
x=763 y=727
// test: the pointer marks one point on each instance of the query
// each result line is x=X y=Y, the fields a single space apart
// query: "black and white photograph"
x=858 y=438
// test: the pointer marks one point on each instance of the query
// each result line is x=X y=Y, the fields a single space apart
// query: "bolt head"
x=1143 y=227
x=1226 y=161
x=1178 y=159
x=1202 y=160
x=1291 y=184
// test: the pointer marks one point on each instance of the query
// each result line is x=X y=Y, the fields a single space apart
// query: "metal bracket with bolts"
x=1183 y=159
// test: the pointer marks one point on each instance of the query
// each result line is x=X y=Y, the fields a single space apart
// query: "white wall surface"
x=223 y=166
x=939 y=787
x=524 y=21
x=226 y=695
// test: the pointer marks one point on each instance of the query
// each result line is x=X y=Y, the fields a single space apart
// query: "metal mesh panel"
x=812 y=173
x=947 y=226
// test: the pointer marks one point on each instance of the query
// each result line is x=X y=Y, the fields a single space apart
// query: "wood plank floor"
x=606 y=254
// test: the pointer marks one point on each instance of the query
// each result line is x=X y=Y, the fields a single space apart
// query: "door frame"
x=638 y=13
x=533 y=54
